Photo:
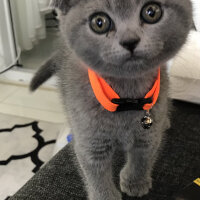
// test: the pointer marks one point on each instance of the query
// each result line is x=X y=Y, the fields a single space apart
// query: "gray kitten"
x=125 y=41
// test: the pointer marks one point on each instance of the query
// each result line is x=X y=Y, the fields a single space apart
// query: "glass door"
x=9 y=51
x=36 y=29
x=29 y=34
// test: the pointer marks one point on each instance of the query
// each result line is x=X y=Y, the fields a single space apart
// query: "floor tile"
x=42 y=99
x=36 y=114
x=6 y=90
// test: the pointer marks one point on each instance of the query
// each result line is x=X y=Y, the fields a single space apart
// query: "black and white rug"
x=25 y=146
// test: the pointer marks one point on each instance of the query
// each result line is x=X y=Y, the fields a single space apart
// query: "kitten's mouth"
x=133 y=58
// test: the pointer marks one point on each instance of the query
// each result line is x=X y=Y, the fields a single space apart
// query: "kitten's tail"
x=44 y=73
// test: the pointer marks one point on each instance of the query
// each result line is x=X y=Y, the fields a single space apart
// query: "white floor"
x=34 y=58
x=42 y=105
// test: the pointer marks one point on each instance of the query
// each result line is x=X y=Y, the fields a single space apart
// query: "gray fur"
x=97 y=132
x=46 y=71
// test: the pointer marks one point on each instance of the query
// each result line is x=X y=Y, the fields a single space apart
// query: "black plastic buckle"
x=131 y=104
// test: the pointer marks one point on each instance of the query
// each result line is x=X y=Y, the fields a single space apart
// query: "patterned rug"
x=25 y=146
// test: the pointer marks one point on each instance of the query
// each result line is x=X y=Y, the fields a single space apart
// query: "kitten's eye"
x=151 y=13
x=100 y=23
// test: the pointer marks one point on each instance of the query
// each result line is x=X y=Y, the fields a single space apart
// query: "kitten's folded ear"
x=62 y=5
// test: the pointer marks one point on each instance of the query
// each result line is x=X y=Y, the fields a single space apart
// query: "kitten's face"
x=125 y=38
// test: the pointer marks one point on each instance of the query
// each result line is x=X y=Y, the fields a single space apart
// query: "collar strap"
x=111 y=101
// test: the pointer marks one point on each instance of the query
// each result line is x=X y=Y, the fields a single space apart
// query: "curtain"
x=30 y=21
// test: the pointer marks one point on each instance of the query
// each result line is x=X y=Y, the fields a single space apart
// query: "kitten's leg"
x=96 y=163
x=135 y=177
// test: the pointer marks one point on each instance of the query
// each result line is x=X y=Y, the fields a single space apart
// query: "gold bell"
x=147 y=121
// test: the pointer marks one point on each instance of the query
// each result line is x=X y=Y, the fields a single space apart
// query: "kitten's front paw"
x=135 y=188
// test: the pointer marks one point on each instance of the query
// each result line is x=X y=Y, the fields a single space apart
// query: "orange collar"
x=111 y=101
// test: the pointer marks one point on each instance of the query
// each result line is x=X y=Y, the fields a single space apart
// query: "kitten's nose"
x=130 y=45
